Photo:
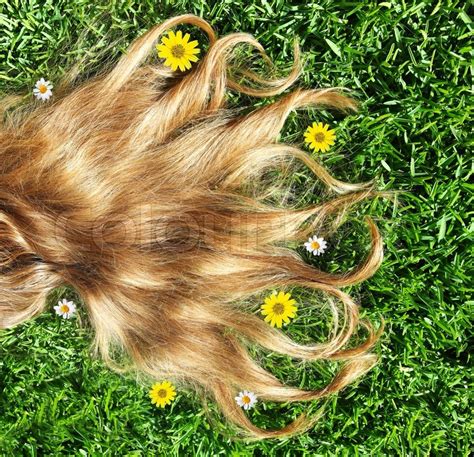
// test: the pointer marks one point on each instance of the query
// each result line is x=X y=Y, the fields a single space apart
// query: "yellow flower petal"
x=278 y=308
x=186 y=38
x=164 y=53
x=319 y=137
x=193 y=58
x=162 y=394
x=177 y=50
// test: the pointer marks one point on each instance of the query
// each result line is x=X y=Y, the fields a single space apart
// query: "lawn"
x=409 y=63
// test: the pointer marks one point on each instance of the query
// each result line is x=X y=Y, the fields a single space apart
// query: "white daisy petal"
x=42 y=89
x=65 y=308
x=316 y=245
x=246 y=399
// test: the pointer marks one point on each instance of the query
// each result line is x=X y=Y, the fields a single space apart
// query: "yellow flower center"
x=246 y=399
x=315 y=245
x=42 y=88
x=278 y=308
x=177 y=50
x=319 y=137
x=162 y=393
x=64 y=308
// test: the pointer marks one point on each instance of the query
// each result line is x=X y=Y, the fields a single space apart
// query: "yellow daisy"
x=278 y=308
x=162 y=393
x=178 y=50
x=319 y=137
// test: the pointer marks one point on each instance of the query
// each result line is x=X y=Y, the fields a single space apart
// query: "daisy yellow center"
x=42 y=88
x=64 y=308
x=246 y=399
x=315 y=245
x=162 y=393
x=177 y=51
x=319 y=137
x=278 y=308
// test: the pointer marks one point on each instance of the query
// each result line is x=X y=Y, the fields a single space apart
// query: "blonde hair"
x=143 y=190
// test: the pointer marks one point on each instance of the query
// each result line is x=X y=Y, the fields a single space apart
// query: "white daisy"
x=65 y=308
x=316 y=245
x=246 y=399
x=42 y=90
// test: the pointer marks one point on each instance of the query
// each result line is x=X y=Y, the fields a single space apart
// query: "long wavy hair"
x=145 y=192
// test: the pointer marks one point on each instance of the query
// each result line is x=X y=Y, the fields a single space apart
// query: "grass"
x=409 y=63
